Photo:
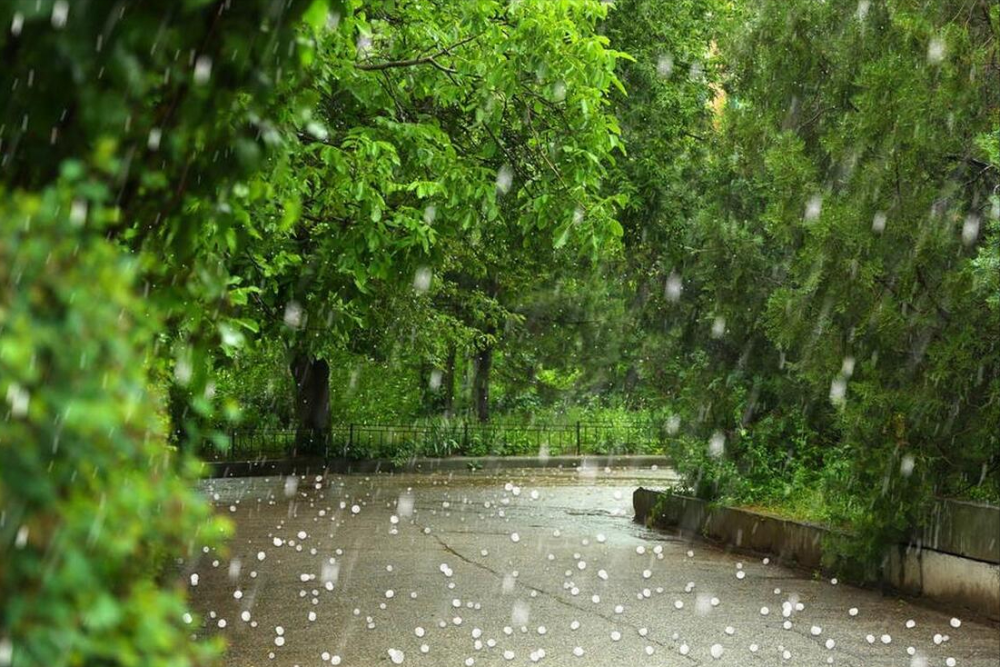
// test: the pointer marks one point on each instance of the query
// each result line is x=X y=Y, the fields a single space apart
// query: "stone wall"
x=954 y=561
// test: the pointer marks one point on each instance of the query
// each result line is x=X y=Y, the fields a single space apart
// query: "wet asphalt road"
x=521 y=568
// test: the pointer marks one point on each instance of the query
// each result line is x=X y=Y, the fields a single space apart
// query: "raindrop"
x=813 y=208
x=505 y=178
x=717 y=445
x=970 y=229
x=906 y=465
x=202 y=70
x=718 y=326
x=665 y=65
x=422 y=280
x=936 y=51
x=293 y=315
x=674 y=288
x=60 y=12
x=878 y=222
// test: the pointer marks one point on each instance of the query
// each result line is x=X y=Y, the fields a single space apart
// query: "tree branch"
x=423 y=60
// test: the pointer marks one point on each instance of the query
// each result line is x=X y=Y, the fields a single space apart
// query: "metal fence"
x=368 y=441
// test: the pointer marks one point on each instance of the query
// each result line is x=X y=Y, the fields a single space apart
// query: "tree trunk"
x=481 y=383
x=312 y=404
x=448 y=384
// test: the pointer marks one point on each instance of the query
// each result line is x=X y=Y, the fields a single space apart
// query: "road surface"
x=521 y=568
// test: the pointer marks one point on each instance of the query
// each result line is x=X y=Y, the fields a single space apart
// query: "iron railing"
x=366 y=441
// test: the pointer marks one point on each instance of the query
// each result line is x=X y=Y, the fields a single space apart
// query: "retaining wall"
x=305 y=466
x=954 y=560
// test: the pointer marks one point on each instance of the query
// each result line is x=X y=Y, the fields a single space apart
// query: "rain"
x=491 y=332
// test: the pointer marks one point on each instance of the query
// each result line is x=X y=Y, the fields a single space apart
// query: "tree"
x=420 y=120
x=854 y=185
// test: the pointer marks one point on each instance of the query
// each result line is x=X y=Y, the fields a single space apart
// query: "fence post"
x=350 y=440
x=577 y=438
x=232 y=444
x=465 y=437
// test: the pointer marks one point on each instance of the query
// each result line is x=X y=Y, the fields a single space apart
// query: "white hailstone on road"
x=222 y=622
x=508 y=655
x=886 y=639
x=955 y=623
x=830 y=644
x=578 y=651
x=690 y=554
x=194 y=579
x=261 y=555
x=716 y=651
x=514 y=537
x=277 y=542
x=754 y=648
x=764 y=611
x=601 y=538
x=616 y=636
x=575 y=625
x=419 y=631
x=678 y=604
x=245 y=616
x=714 y=602
x=302 y=535
x=911 y=623
x=279 y=641
x=816 y=630
x=238 y=594
x=389 y=594
x=684 y=649
x=853 y=611
x=602 y=575
x=730 y=630
x=355 y=509
x=740 y=574
x=396 y=656
x=870 y=639
x=646 y=574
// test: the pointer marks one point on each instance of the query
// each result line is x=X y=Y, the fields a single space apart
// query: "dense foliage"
x=123 y=130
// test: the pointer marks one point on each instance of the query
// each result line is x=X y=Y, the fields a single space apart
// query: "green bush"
x=92 y=501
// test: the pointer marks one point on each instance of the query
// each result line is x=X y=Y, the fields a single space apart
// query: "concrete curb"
x=914 y=569
x=317 y=465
